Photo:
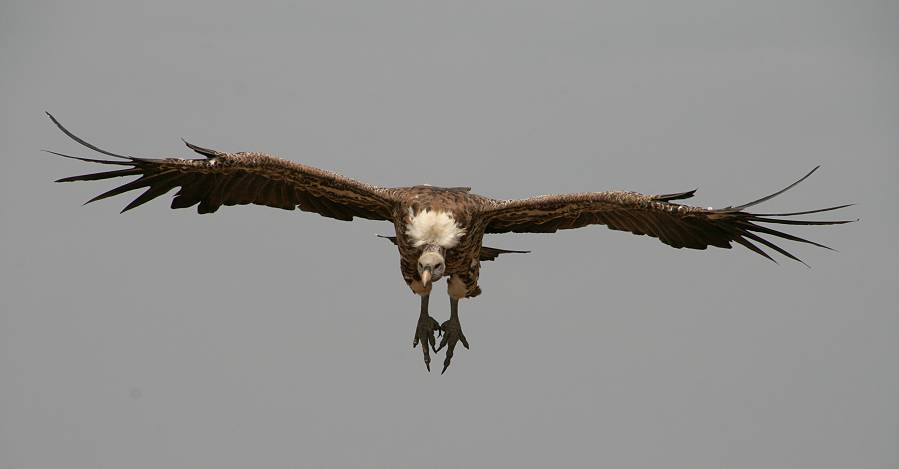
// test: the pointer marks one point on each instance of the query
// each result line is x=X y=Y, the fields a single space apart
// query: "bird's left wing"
x=239 y=178
x=680 y=226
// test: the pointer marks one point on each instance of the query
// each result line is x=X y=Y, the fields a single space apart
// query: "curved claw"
x=452 y=335
x=424 y=333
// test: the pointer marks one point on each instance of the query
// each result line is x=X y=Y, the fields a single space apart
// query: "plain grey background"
x=257 y=337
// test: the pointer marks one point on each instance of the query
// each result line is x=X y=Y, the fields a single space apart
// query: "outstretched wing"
x=236 y=179
x=680 y=226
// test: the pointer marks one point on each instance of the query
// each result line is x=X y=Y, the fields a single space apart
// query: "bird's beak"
x=426 y=277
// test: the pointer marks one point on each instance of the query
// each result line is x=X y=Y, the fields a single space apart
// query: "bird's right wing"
x=680 y=226
x=239 y=178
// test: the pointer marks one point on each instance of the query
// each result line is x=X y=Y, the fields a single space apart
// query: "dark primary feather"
x=680 y=226
x=79 y=140
x=769 y=197
x=238 y=178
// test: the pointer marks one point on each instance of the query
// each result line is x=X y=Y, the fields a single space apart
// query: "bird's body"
x=438 y=231
x=459 y=207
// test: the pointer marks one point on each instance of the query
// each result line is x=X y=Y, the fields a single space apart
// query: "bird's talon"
x=452 y=335
x=424 y=333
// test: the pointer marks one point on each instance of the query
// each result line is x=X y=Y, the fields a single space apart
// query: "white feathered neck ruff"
x=429 y=227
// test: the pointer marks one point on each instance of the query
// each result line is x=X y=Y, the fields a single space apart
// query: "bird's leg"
x=452 y=333
x=424 y=331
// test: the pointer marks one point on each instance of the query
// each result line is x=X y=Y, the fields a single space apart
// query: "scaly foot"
x=424 y=332
x=452 y=333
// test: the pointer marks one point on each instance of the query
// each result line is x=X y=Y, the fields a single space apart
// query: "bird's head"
x=430 y=267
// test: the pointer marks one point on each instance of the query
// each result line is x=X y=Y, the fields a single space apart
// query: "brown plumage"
x=438 y=230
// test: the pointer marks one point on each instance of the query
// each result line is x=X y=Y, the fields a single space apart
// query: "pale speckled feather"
x=433 y=227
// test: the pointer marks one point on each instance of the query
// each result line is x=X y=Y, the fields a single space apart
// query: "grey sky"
x=263 y=338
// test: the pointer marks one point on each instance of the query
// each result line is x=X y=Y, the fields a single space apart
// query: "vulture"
x=439 y=230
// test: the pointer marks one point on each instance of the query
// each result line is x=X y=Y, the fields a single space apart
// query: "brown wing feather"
x=237 y=179
x=680 y=226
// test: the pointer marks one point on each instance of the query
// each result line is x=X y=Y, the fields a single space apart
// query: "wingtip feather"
x=83 y=142
x=773 y=246
x=90 y=160
x=769 y=197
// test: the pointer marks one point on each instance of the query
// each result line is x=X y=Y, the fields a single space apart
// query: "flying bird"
x=438 y=230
